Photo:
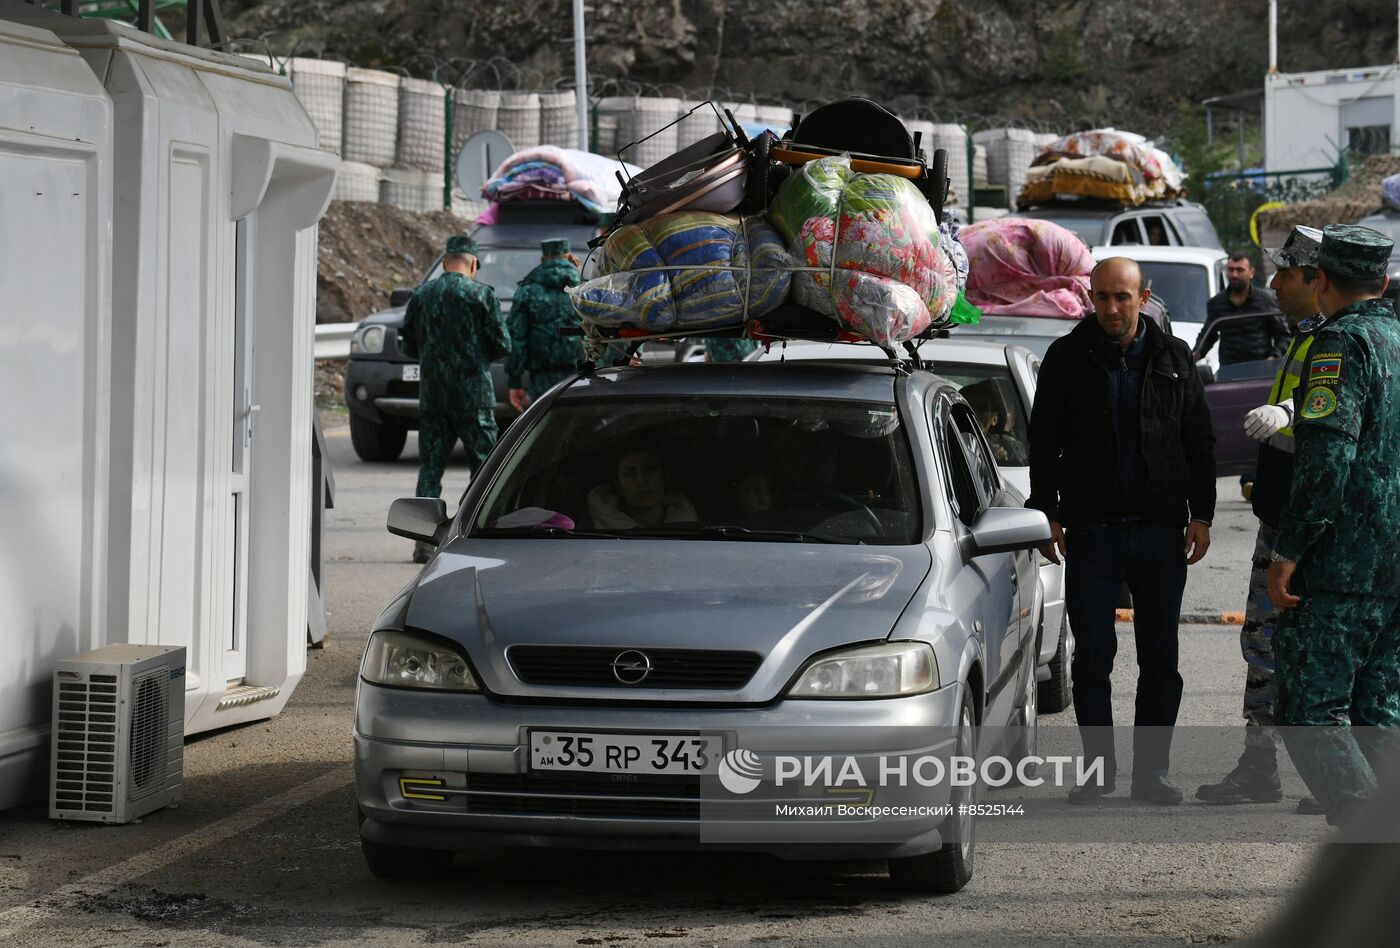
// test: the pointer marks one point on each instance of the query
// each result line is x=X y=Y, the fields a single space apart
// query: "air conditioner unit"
x=118 y=733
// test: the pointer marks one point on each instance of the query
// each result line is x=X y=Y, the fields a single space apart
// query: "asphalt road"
x=264 y=851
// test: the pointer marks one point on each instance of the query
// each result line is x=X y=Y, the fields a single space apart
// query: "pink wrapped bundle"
x=1024 y=267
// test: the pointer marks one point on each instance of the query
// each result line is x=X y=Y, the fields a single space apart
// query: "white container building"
x=55 y=340
x=191 y=470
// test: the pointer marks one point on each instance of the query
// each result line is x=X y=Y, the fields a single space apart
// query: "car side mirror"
x=400 y=295
x=418 y=518
x=1007 y=529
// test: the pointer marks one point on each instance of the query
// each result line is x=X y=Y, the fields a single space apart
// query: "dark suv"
x=381 y=382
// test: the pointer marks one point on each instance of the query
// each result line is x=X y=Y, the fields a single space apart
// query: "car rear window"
x=1087 y=228
x=1196 y=228
x=1184 y=287
x=710 y=468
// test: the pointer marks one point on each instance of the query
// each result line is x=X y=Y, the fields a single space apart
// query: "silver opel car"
x=664 y=579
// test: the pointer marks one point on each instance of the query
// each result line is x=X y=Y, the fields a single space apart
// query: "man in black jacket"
x=1244 y=317
x=1122 y=459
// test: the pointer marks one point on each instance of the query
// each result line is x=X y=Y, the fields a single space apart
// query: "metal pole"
x=580 y=77
x=1273 y=37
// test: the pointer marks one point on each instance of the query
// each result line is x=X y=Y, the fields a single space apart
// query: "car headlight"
x=407 y=660
x=368 y=339
x=873 y=671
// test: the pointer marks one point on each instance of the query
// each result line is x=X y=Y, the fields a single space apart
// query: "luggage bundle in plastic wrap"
x=1390 y=192
x=820 y=240
x=1103 y=164
x=1022 y=266
x=870 y=250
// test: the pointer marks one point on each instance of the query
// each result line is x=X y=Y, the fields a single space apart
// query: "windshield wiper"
x=542 y=532
x=719 y=532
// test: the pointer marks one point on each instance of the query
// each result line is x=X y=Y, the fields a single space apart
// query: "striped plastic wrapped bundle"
x=422 y=124
x=357 y=181
x=320 y=88
x=411 y=189
x=648 y=117
x=609 y=112
x=695 y=126
x=519 y=119
x=726 y=269
x=473 y=110
x=371 y=116
x=870 y=247
x=559 y=119
x=1010 y=152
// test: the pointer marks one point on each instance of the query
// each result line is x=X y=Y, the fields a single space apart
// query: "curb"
x=1196 y=618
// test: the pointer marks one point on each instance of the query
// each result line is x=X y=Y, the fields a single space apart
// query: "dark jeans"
x=1149 y=557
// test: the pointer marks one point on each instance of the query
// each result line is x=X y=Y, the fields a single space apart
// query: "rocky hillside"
x=1064 y=62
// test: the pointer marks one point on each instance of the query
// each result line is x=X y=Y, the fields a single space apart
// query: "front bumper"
x=387 y=397
x=481 y=746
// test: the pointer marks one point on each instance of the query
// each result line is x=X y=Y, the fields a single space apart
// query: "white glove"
x=1264 y=422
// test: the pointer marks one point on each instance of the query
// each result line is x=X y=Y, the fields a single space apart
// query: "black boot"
x=1249 y=782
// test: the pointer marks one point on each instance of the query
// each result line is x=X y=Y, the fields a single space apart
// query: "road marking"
x=61 y=900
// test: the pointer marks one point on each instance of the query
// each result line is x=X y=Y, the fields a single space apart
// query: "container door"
x=245 y=413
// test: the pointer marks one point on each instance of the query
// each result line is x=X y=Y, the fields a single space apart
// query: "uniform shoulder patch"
x=1319 y=402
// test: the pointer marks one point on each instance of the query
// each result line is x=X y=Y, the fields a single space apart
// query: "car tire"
x=948 y=869
x=1055 y=692
x=377 y=442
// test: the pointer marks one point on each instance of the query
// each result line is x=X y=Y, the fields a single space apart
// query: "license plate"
x=625 y=753
x=410 y=373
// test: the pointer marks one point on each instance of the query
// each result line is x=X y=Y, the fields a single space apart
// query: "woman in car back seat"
x=638 y=495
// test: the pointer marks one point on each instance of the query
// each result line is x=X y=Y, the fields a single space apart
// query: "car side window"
x=962 y=491
x=979 y=458
x=1158 y=230
x=1126 y=232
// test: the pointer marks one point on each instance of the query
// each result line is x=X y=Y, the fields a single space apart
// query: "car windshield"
x=1184 y=287
x=501 y=268
x=994 y=399
x=709 y=468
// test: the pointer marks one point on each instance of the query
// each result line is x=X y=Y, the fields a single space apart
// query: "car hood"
x=785 y=601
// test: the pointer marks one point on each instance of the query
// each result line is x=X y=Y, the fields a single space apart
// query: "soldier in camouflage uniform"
x=454 y=326
x=1337 y=648
x=1255 y=779
x=540 y=309
x=718 y=349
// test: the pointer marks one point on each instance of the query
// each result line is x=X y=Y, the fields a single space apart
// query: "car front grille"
x=670 y=667
x=605 y=797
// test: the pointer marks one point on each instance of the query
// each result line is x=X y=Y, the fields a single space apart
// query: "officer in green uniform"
x=453 y=325
x=1334 y=568
x=540 y=309
x=1255 y=779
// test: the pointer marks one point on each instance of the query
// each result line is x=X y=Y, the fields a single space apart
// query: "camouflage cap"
x=1355 y=252
x=459 y=243
x=1299 y=250
x=555 y=247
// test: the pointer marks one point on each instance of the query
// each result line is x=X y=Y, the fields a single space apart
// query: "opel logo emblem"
x=631 y=667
